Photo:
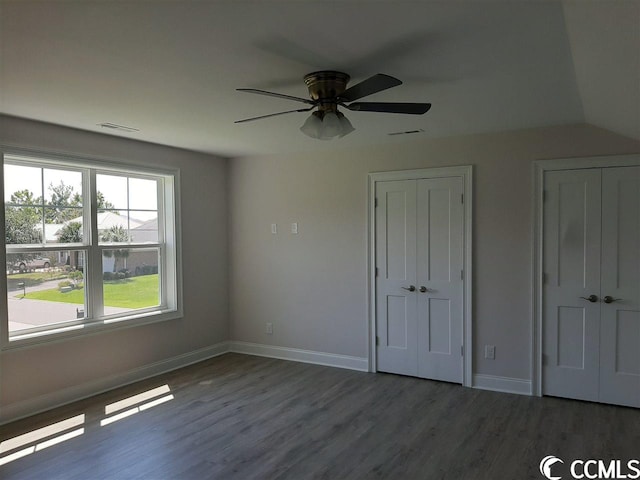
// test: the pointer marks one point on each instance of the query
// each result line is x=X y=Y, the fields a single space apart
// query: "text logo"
x=593 y=469
x=545 y=466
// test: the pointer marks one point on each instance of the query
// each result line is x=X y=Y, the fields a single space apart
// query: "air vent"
x=120 y=128
x=408 y=132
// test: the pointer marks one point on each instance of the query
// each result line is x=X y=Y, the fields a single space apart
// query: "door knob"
x=411 y=288
x=594 y=298
x=423 y=289
x=610 y=299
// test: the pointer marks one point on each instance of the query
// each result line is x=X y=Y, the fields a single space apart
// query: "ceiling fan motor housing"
x=325 y=86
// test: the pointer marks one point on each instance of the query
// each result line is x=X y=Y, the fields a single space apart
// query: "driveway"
x=26 y=313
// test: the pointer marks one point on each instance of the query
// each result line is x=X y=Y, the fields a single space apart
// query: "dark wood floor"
x=244 y=417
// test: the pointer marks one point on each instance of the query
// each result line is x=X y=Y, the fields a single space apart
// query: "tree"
x=62 y=197
x=71 y=233
x=22 y=219
x=116 y=234
x=103 y=203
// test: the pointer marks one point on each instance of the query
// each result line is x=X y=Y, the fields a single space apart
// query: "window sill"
x=56 y=335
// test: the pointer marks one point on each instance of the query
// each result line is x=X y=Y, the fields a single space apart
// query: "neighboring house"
x=106 y=221
x=51 y=236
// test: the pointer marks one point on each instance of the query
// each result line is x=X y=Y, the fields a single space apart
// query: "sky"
x=142 y=193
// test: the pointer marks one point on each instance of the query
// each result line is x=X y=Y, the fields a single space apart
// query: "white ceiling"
x=170 y=69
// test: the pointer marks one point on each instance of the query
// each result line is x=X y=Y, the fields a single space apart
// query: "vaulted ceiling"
x=170 y=69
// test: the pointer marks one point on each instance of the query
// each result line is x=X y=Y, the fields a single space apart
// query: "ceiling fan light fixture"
x=326 y=125
x=331 y=125
x=312 y=127
x=345 y=125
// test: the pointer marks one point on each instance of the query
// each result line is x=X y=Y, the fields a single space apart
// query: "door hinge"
x=462 y=350
x=375 y=202
x=544 y=278
x=544 y=196
x=377 y=271
x=461 y=274
x=377 y=340
x=462 y=198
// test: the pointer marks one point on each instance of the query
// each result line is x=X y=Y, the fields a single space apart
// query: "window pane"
x=69 y=230
x=22 y=184
x=112 y=192
x=63 y=188
x=44 y=288
x=145 y=232
x=23 y=225
x=143 y=194
x=130 y=279
x=113 y=226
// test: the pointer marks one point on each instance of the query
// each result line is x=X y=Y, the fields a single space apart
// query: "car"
x=33 y=263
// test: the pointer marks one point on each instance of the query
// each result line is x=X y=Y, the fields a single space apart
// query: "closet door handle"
x=593 y=298
x=423 y=289
x=411 y=288
x=610 y=299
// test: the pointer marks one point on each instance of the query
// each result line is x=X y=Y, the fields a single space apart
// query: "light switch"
x=294 y=228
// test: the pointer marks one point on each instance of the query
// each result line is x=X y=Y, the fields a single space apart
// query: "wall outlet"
x=490 y=352
x=274 y=228
x=294 y=228
x=268 y=329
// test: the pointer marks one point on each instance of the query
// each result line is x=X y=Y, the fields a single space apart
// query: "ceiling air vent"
x=407 y=132
x=120 y=128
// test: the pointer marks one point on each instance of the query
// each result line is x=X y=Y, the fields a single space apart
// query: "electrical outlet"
x=490 y=352
x=274 y=228
x=294 y=228
x=269 y=329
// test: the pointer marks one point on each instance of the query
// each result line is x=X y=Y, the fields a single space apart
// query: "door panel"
x=440 y=238
x=439 y=321
x=620 y=323
x=570 y=344
x=396 y=262
x=397 y=321
x=571 y=266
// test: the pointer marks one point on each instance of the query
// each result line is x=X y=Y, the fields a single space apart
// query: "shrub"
x=65 y=283
x=108 y=276
x=126 y=272
x=75 y=275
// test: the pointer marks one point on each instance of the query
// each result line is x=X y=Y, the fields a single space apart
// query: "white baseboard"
x=502 y=384
x=65 y=396
x=305 y=356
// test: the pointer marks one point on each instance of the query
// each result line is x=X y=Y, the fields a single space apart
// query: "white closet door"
x=396 y=262
x=571 y=266
x=439 y=281
x=620 y=320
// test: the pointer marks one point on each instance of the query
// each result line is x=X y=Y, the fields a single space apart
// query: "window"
x=87 y=245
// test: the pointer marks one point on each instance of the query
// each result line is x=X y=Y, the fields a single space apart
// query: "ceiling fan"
x=328 y=90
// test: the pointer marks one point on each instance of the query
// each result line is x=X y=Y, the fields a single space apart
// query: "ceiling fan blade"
x=278 y=95
x=371 y=85
x=274 y=115
x=383 y=107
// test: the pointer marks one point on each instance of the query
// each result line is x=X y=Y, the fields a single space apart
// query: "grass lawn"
x=33 y=278
x=135 y=292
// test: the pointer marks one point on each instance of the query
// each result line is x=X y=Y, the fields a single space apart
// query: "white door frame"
x=539 y=169
x=466 y=172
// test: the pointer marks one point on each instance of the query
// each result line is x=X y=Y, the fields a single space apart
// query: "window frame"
x=168 y=246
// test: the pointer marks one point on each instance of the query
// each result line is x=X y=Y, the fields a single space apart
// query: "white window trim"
x=171 y=256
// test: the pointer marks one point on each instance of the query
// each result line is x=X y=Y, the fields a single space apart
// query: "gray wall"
x=313 y=286
x=44 y=370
